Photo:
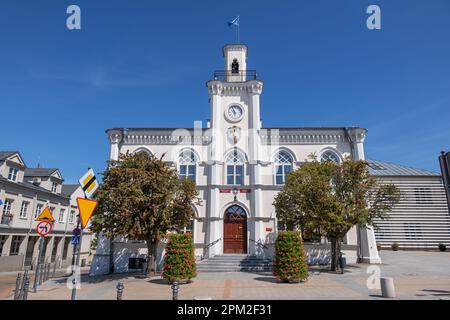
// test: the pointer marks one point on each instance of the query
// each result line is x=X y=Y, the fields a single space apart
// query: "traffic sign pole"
x=38 y=264
x=76 y=259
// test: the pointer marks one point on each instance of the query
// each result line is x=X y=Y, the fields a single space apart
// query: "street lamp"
x=235 y=192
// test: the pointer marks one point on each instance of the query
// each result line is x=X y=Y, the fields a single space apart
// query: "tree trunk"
x=111 y=255
x=152 y=251
x=335 y=253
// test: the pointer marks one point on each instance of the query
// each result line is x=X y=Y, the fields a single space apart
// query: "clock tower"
x=235 y=123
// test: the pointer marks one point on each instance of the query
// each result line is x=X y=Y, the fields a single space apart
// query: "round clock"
x=234 y=113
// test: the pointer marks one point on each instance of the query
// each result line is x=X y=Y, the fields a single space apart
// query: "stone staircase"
x=234 y=263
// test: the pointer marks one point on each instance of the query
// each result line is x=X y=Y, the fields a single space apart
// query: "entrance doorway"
x=235 y=230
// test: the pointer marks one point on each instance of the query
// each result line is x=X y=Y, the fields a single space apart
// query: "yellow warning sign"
x=46 y=214
x=86 y=208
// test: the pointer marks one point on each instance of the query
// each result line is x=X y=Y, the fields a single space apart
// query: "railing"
x=237 y=76
x=209 y=245
x=259 y=244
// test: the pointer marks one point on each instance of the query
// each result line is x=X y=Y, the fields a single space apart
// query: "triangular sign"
x=86 y=208
x=46 y=214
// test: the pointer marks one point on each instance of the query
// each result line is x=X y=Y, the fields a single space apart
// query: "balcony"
x=235 y=76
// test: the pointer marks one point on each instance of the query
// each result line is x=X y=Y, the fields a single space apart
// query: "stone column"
x=367 y=242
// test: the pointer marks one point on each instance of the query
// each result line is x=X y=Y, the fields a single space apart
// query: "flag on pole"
x=234 y=22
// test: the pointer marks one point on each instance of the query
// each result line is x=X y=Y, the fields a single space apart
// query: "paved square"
x=417 y=275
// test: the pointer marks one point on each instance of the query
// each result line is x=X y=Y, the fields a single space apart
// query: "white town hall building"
x=238 y=166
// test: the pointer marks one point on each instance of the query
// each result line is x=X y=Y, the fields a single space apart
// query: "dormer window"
x=54 y=185
x=12 y=176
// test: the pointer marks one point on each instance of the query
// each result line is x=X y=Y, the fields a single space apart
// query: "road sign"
x=86 y=208
x=76 y=231
x=46 y=214
x=44 y=228
x=89 y=183
x=75 y=240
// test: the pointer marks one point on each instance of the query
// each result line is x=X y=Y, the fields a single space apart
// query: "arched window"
x=235 y=168
x=329 y=156
x=235 y=212
x=187 y=164
x=283 y=165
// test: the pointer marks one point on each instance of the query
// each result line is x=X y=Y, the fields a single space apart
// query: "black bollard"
x=119 y=287
x=48 y=272
x=54 y=270
x=41 y=273
x=175 y=290
x=26 y=286
x=17 y=290
x=22 y=287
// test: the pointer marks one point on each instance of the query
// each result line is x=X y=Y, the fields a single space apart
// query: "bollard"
x=119 y=287
x=22 y=287
x=26 y=286
x=175 y=290
x=36 y=278
x=48 y=272
x=45 y=272
x=17 y=290
x=41 y=273
x=387 y=288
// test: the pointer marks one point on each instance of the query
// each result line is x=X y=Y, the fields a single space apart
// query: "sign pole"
x=76 y=260
x=38 y=264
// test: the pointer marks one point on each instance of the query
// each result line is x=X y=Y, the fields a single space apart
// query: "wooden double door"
x=235 y=230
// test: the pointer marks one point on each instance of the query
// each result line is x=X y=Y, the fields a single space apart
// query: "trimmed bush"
x=395 y=246
x=442 y=247
x=290 y=259
x=179 y=260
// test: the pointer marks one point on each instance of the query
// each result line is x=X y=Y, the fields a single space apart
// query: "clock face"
x=234 y=113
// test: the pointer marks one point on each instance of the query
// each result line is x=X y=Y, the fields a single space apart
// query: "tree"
x=142 y=198
x=331 y=198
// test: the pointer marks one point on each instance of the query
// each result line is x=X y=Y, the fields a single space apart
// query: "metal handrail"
x=260 y=244
x=247 y=75
x=208 y=246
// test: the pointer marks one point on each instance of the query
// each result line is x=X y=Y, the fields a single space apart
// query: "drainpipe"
x=444 y=161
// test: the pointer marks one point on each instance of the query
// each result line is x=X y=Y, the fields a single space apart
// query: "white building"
x=239 y=165
x=421 y=219
x=24 y=193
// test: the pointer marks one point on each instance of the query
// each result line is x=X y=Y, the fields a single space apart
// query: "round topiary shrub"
x=179 y=260
x=395 y=246
x=290 y=263
x=442 y=247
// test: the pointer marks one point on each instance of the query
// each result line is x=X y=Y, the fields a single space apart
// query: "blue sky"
x=145 y=64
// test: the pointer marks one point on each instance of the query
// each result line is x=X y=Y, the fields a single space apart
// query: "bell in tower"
x=235 y=66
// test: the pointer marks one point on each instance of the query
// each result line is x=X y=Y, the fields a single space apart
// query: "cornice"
x=216 y=87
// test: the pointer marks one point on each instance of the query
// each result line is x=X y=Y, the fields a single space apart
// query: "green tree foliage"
x=331 y=198
x=142 y=198
x=290 y=260
x=179 y=260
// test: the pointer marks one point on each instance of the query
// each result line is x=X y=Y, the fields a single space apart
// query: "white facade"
x=235 y=151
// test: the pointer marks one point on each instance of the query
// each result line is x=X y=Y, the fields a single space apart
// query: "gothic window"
x=235 y=168
x=187 y=165
x=330 y=156
x=283 y=166
x=235 y=66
